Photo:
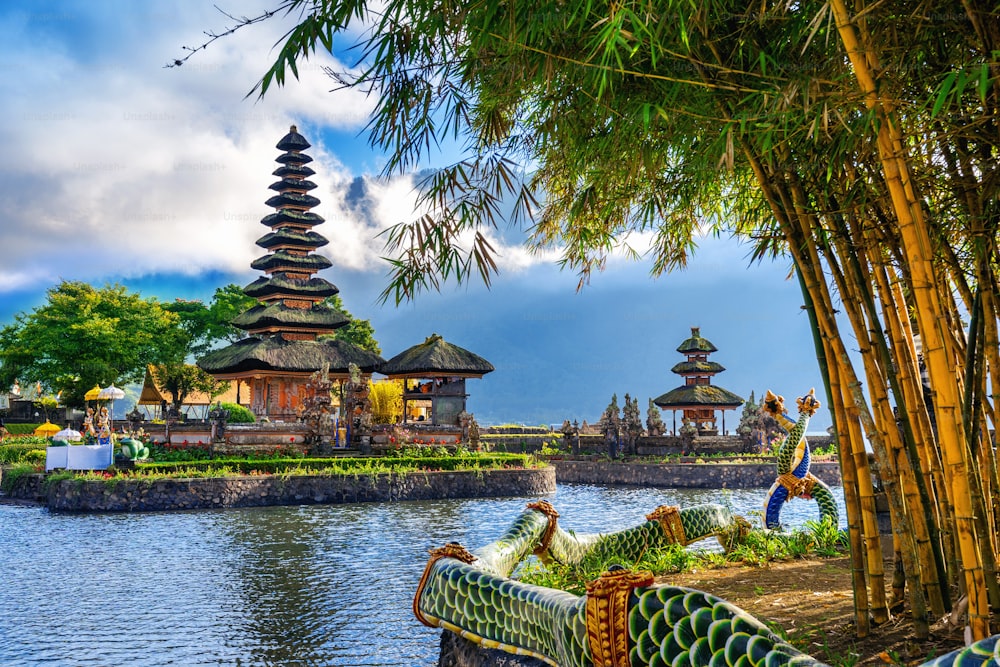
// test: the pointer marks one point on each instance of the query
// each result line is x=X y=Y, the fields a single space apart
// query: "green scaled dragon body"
x=624 y=620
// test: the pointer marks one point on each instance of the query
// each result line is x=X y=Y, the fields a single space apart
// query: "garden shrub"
x=11 y=476
x=22 y=452
x=339 y=465
x=239 y=414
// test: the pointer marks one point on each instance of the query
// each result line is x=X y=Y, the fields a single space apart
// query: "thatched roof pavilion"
x=697 y=398
x=434 y=374
x=289 y=330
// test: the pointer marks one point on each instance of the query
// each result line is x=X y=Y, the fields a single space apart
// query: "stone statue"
x=611 y=426
x=470 y=429
x=358 y=408
x=134 y=419
x=631 y=425
x=688 y=431
x=317 y=410
x=218 y=416
x=654 y=420
x=757 y=428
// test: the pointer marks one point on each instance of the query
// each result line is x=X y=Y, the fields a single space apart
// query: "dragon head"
x=773 y=405
x=808 y=404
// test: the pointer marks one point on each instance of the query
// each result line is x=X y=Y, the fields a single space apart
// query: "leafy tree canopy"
x=180 y=380
x=84 y=336
x=206 y=325
x=356 y=331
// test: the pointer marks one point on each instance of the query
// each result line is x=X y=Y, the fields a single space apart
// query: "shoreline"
x=72 y=495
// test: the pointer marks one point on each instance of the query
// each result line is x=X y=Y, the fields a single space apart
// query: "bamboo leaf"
x=942 y=92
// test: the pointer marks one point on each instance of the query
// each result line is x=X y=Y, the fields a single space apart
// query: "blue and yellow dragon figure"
x=625 y=619
x=793 y=458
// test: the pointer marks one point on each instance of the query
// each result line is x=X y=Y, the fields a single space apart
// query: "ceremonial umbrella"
x=48 y=428
x=67 y=435
x=110 y=393
x=93 y=394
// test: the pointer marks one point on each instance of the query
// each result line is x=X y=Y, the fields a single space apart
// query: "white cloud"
x=115 y=164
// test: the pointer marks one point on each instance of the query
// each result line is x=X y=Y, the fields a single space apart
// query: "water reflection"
x=303 y=586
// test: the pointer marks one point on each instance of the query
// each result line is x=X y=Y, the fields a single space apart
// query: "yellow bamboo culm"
x=930 y=313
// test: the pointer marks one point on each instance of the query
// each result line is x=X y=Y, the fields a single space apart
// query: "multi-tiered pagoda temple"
x=697 y=398
x=288 y=330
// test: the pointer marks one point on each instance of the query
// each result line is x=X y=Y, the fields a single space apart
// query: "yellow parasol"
x=93 y=393
x=47 y=429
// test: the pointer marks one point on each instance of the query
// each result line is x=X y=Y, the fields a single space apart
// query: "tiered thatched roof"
x=698 y=396
x=696 y=343
x=436 y=358
x=279 y=355
x=698 y=366
x=323 y=318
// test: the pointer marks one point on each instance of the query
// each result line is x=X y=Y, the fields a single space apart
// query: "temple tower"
x=289 y=331
x=697 y=398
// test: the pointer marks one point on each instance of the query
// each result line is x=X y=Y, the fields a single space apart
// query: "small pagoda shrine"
x=434 y=374
x=698 y=399
x=290 y=330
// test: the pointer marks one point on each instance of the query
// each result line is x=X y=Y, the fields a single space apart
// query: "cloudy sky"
x=118 y=169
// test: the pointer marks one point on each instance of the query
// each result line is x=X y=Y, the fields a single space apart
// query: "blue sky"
x=117 y=169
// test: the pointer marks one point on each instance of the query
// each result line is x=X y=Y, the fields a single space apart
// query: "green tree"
x=227 y=303
x=84 y=336
x=180 y=380
x=358 y=332
x=207 y=325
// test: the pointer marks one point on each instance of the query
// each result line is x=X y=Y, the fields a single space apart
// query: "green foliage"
x=550 y=448
x=337 y=465
x=22 y=429
x=13 y=474
x=239 y=414
x=357 y=332
x=758 y=548
x=826 y=538
x=227 y=303
x=253 y=466
x=164 y=453
x=180 y=380
x=23 y=450
x=206 y=325
x=387 y=401
x=84 y=336
x=574 y=578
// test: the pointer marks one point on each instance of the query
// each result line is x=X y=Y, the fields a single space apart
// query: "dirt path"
x=812 y=601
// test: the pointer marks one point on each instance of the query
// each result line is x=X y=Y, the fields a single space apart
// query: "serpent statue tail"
x=624 y=620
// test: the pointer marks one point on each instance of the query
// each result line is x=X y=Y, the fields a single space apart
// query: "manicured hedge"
x=22 y=429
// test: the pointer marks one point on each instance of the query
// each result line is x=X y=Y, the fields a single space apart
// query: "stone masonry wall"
x=684 y=475
x=207 y=493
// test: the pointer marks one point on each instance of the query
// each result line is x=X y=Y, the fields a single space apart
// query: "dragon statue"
x=625 y=619
x=793 y=458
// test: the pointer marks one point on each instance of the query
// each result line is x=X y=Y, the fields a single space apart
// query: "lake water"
x=328 y=585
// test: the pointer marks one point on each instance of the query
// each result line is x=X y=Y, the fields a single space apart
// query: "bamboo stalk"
x=896 y=459
x=869 y=522
x=914 y=411
x=930 y=314
x=849 y=473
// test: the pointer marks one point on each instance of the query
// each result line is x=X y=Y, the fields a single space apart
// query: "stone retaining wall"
x=684 y=475
x=208 y=493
